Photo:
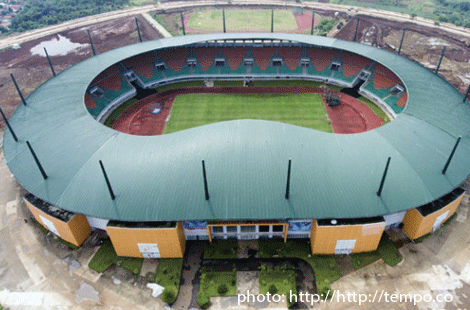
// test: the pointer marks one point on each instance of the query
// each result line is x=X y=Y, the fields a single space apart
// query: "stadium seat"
x=175 y=59
x=234 y=56
x=353 y=63
x=263 y=56
x=384 y=78
x=291 y=56
x=403 y=100
x=205 y=56
x=322 y=58
x=144 y=66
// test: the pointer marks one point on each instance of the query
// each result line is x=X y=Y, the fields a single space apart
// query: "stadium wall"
x=148 y=242
x=345 y=239
x=416 y=225
x=75 y=231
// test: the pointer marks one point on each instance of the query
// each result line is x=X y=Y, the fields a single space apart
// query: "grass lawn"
x=105 y=257
x=378 y=111
x=168 y=273
x=180 y=85
x=216 y=283
x=242 y=20
x=278 y=280
x=324 y=266
x=193 y=110
x=220 y=83
x=386 y=251
x=115 y=114
x=360 y=260
x=221 y=249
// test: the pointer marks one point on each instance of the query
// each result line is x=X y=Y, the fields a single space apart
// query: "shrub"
x=168 y=296
x=222 y=289
x=203 y=300
x=325 y=291
x=272 y=289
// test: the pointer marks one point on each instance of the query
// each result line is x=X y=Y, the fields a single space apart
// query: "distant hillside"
x=40 y=13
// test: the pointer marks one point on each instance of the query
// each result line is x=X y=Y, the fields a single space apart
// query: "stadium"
x=240 y=178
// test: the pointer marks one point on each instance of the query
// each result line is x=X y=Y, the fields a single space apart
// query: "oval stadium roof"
x=159 y=178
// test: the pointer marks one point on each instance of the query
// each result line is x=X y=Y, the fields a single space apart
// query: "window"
x=130 y=75
x=248 y=62
x=305 y=62
x=263 y=228
x=335 y=66
x=219 y=62
x=192 y=62
x=248 y=229
x=364 y=75
x=277 y=62
x=232 y=229
x=96 y=91
x=397 y=90
x=160 y=66
x=278 y=228
x=217 y=229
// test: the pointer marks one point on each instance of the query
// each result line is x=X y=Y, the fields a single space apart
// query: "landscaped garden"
x=221 y=249
x=168 y=275
x=106 y=257
x=281 y=280
x=216 y=283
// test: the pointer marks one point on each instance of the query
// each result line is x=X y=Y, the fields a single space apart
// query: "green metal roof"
x=159 y=178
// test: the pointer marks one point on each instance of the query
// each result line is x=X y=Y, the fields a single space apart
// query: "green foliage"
x=213 y=283
x=169 y=295
x=40 y=13
x=222 y=289
x=203 y=300
x=221 y=249
x=168 y=274
x=105 y=257
x=165 y=25
x=272 y=289
x=278 y=280
x=325 y=25
x=325 y=291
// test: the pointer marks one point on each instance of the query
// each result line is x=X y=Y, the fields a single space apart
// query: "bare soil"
x=421 y=44
x=30 y=70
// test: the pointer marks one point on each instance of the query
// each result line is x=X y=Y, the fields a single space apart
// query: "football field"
x=191 y=110
x=243 y=20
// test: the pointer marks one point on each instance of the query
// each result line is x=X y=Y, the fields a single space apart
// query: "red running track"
x=352 y=116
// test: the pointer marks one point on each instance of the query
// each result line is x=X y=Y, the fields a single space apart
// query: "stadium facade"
x=244 y=179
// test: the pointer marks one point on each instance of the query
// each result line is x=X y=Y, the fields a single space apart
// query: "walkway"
x=157 y=25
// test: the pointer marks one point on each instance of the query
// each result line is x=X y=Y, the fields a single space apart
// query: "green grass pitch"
x=306 y=110
x=242 y=20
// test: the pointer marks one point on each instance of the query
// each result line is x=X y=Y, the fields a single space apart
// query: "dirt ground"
x=352 y=116
x=421 y=44
x=30 y=70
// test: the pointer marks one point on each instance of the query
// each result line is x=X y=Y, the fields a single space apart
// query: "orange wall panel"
x=75 y=231
x=324 y=238
x=171 y=241
x=415 y=225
